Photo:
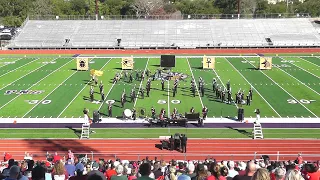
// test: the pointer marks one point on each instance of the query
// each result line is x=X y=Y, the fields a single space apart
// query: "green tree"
x=309 y=6
x=197 y=7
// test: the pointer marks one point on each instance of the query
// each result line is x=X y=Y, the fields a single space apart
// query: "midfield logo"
x=9 y=92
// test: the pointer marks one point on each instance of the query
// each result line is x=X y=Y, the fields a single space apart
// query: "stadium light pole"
x=97 y=10
x=238 y=9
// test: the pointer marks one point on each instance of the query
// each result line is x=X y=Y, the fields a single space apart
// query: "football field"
x=47 y=87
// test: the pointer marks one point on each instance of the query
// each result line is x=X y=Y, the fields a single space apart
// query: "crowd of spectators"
x=72 y=168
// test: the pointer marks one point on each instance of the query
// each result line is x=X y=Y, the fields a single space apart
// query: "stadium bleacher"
x=200 y=33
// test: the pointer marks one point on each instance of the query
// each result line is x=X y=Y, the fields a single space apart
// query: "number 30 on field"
x=37 y=101
x=303 y=101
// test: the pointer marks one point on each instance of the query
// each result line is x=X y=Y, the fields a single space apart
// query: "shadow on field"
x=118 y=68
x=77 y=132
x=155 y=65
x=73 y=69
x=253 y=68
x=42 y=146
x=244 y=132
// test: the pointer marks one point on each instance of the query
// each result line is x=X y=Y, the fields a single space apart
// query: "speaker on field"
x=168 y=61
x=240 y=114
x=96 y=117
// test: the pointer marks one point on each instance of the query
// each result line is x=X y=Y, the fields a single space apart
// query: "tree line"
x=14 y=12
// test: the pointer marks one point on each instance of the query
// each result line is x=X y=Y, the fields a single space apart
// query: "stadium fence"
x=174 y=17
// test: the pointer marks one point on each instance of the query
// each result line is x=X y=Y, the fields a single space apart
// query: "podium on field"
x=265 y=63
x=208 y=62
x=82 y=64
x=127 y=63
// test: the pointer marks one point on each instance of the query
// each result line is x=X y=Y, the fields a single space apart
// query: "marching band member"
x=204 y=112
x=174 y=114
x=192 y=110
x=153 y=112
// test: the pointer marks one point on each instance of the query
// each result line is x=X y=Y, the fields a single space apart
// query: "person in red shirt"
x=56 y=157
x=110 y=172
x=6 y=157
x=299 y=159
x=313 y=172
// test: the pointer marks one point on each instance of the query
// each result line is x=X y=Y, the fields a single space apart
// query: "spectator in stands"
x=299 y=159
x=242 y=168
x=145 y=171
x=70 y=168
x=110 y=172
x=191 y=172
x=56 y=157
x=181 y=169
x=251 y=169
x=232 y=172
x=38 y=173
x=157 y=170
x=28 y=172
x=133 y=174
x=48 y=173
x=87 y=169
x=27 y=156
x=14 y=173
x=6 y=171
x=95 y=171
x=201 y=173
x=172 y=174
x=261 y=174
x=59 y=172
x=7 y=157
x=293 y=175
x=184 y=177
x=313 y=172
x=279 y=173
x=119 y=176
x=79 y=171
x=71 y=156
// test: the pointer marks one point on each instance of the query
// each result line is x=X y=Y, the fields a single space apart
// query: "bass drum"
x=127 y=113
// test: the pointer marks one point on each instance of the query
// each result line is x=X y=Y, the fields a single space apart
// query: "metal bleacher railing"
x=174 y=17
x=277 y=156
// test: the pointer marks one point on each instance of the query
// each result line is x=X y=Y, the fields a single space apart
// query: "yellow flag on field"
x=208 y=62
x=96 y=72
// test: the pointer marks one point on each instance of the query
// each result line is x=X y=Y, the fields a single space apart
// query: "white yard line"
x=309 y=61
x=299 y=80
x=135 y=102
x=108 y=93
x=302 y=69
x=36 y=83
x=285 y=90
x=49 y=94
x=254 y=88
x=81 y=90
x=10 y=61
x=18 y=67
x=26 y=75
x=224 y=87
x=195 y=83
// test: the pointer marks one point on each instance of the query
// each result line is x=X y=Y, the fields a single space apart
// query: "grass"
x=67 y=90
x=156 y=132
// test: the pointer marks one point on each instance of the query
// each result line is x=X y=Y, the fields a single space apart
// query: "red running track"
x=138 y=149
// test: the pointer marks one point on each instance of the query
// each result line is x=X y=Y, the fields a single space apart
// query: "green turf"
x=156 y=132
x=67 y=90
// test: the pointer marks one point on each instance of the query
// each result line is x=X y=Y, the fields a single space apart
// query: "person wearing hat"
x=95 y=173
x=79 y=172
x=14 y=173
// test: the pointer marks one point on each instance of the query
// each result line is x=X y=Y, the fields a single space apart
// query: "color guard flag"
x=127 y=63
x=208 y=62
x=265 y=63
